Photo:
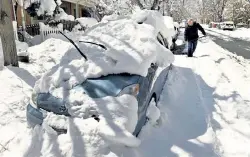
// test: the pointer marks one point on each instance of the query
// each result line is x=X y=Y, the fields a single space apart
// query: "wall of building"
x=69 y=8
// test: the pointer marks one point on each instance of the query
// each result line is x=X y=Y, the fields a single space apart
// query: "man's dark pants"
x=191 y=47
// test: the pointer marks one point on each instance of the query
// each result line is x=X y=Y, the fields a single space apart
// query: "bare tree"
x=238 y=11
x=7 y=34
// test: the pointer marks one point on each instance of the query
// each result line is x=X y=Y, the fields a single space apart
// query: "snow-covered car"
x=228 y=25
x=22 y=53
x=172 y=27
x=125 y=69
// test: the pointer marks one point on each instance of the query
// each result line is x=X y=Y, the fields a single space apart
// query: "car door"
x=144 y=95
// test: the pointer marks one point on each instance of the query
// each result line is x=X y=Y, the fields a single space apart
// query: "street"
x=234 y=45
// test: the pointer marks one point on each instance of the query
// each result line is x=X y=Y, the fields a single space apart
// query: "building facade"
x=71 y=7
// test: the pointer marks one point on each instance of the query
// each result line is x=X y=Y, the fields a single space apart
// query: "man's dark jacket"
x=191 y=32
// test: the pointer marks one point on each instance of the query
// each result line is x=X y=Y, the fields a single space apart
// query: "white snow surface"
x=176 y=24
x=204 y=112
x=64 y=16
x=169 y=23
x=163 y=24
x=87 y=21
x=240 y=33
x=47 y=6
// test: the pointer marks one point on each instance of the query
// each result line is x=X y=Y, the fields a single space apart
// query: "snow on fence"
x=45 y=30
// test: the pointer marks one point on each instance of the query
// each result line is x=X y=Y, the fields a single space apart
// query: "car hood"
x=110 y=85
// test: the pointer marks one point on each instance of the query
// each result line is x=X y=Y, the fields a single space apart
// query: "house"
x=77 y=8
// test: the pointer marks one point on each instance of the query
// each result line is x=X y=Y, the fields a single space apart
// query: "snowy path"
x=186 y=130
x=206 y=107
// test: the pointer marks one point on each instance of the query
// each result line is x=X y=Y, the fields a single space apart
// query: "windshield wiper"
x=72 y=42
x=89 y=42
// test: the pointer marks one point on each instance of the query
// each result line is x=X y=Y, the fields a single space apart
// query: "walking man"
x=191 y=35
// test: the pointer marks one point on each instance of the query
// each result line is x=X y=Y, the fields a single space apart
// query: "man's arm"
x=201 y=29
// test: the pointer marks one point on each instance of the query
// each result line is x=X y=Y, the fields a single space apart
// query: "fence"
x=52 y=27
x=45 y=30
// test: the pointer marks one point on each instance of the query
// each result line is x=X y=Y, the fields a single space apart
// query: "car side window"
x=162 y=40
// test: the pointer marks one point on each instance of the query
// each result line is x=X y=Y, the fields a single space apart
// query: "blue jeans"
x=191 y=47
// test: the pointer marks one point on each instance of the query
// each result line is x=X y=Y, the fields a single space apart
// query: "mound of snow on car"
x=162 y=24
x=131 y=48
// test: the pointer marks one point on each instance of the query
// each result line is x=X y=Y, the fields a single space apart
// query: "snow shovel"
x=182 y=49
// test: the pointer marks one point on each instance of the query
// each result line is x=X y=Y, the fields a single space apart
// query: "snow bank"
x=46 y=55
x=87 y=22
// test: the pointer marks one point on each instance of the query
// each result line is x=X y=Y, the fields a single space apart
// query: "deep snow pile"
x=46 y=55
x=241 y=33
x=163 y=24
x=87 y=22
